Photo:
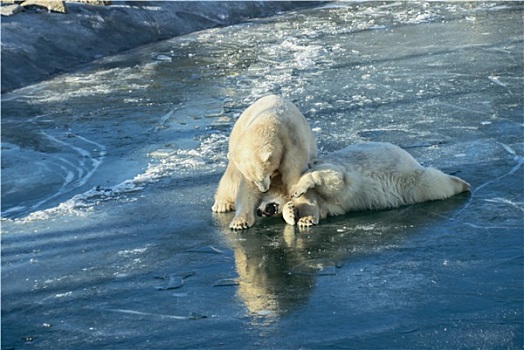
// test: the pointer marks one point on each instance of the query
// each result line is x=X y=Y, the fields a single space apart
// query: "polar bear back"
x=381 y=175
x=272 y=129
x=374 y=158
x=273 y=116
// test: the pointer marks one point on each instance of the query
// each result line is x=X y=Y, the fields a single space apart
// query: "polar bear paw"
x=306 y=221
x=297 y=191
x=241 y=222
x=300 y=189
x=289 y=213
x=223 y=206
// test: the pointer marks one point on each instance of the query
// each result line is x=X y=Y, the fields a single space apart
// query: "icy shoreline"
x=39 y=44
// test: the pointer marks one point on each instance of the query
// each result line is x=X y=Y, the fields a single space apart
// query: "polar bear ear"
x=265 y=154
x=229 y=154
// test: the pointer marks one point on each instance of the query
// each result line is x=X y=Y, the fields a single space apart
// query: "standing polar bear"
x=372 y=175
x=271 y=138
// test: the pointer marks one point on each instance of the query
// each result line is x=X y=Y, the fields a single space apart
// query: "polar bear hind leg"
x=227 y=190
x=308 y=210
x=434 y=184
x=303 y=211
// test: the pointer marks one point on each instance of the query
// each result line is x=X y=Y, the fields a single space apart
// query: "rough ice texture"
x=439 y=275
x=37 y=45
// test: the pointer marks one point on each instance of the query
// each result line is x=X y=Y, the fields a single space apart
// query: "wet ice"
x=144 y=135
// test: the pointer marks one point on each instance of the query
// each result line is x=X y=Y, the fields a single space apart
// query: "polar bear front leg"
x=328 y=179
x=246 y=201
x=303 y=185
x=242 y=221
x=289 y=213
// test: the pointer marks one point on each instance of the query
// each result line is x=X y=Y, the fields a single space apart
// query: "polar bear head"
x=257 y=165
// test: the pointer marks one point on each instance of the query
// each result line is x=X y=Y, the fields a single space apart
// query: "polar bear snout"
x=263 y=189
x=263 y=186
x=270 y=210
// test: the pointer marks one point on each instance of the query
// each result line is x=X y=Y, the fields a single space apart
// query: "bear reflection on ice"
x=373 y=175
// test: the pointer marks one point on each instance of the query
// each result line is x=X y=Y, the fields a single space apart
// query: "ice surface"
x=108 y=176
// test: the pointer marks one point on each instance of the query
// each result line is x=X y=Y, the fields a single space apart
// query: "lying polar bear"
x=372 y=175
x=271 y=138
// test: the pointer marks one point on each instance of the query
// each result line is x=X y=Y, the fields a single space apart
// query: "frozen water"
x=108 y=175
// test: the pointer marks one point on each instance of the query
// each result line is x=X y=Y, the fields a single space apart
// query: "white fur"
x=370 y=175
x=270 y=138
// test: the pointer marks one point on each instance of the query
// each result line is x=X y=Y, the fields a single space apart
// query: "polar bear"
x=270 y=138
x=373 y=175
